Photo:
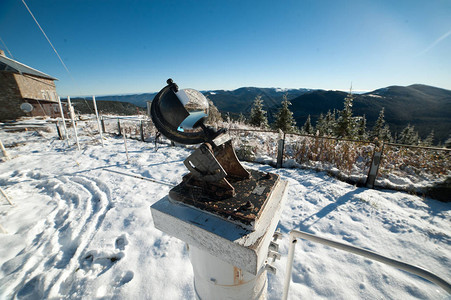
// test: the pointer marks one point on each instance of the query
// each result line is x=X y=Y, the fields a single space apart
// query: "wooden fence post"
x=5 y=154
x=119 y=127
x=374 y=167
x=103 y=125
x=59 y=131
x=280 y=149
x=6 y=197
x=142 y=131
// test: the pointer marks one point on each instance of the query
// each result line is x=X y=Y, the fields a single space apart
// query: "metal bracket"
x=274 y=255
x=274 y=246
x=270 y=268
x=204 y=166
x=277 y=235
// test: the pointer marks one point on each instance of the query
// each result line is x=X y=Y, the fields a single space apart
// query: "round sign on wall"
x=26 y=107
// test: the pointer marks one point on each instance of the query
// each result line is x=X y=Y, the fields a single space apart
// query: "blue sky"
x=118 y=47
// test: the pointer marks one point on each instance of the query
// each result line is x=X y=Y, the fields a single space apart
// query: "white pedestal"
x=216 y=279
x=227 y=259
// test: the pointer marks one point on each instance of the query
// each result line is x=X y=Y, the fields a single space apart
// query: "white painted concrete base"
x=228 y=260
x=216 y=279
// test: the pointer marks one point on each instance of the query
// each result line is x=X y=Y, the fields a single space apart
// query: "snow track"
x=60 y=241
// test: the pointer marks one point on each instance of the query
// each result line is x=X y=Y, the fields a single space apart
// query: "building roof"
x=8 y=64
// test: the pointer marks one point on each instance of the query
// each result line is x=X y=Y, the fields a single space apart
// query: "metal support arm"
x=294 y=234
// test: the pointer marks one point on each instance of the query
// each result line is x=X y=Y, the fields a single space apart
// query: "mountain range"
x=425 y=107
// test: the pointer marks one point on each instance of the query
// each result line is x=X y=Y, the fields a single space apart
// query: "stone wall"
x=10 y=98
x=16 y=89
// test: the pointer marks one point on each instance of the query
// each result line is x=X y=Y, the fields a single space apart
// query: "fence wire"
x=349 y=157
x=403 y=167
x=407 y=165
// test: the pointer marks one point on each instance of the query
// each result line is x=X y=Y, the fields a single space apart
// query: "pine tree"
x=330 y=123
x=228 y=119
x=409 y=136
x=386 y=134
x=214 y=115
x=448 y=142
x=361 y=128
x=346 y=123
x=284 y=117
x=307 y=128
x=429 y=141
x=258 y=115
x=241 y=119
x=321 y=125
x=381 y=131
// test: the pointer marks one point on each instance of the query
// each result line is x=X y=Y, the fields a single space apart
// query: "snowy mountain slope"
x=77 y=231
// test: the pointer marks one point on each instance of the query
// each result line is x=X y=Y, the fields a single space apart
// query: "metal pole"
x=125 y=144
x=97 y=117
x=289 y=267
x=71 y=113
x=359 y=251
x=64 y=121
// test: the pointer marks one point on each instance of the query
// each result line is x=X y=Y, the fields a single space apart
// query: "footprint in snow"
x=100 y=260
x=33 y=289
x=124 y=278
x=121 y=242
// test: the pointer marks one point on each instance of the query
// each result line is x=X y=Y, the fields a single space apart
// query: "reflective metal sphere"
x=179 y=114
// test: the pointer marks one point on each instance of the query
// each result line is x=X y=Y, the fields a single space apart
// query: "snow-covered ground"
x=78 y=231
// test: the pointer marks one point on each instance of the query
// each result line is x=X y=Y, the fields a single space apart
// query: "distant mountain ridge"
x=425 y=107
x=240 y=100
x=136 y=99
x=242 y=95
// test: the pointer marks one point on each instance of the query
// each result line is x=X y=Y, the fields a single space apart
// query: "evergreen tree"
x=429 y=141
x=361 y=128
x=409 y=136
x=258 y=115
x=241 y=119
x=386 y=134
x=228 y=119
x=284 y=117
x=214 y=115
x=330 y=123
x=346 y=124
x=321 y=125
x=381 y=130
x=448 y=142
x=307 y=128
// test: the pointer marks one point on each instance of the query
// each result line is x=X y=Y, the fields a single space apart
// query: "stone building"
x=19 y=84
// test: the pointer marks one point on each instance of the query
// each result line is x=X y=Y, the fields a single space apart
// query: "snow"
x=77 y=231
x=374 y=96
